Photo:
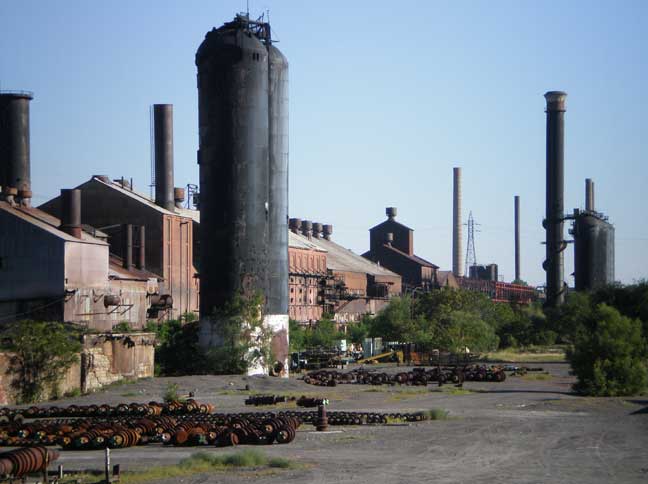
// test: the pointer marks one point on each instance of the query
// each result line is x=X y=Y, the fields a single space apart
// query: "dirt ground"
x=525 y=430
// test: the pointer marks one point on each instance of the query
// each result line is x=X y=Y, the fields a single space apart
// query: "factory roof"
x=390 y=222
x=339 y=258
x=414 y=258
x=140 y=197
x=48 y=223
x=447 y=279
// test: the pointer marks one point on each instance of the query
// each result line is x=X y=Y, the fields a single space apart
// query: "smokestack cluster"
x=554 y=221
x=457 y=269
x=163 y=134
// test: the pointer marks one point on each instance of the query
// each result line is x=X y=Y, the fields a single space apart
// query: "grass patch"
x=129 y=394
x=437 y=414
x=235 y=392
x=526 y=356
x=536 y=376
x=456 y=391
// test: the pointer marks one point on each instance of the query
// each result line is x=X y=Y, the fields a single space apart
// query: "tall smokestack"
x=127 y=246
x=554 y=264
x=516 y=202
x=589 y=195
x=71 y=212
x=163 y=133
x=15 y=170
x=456 y=223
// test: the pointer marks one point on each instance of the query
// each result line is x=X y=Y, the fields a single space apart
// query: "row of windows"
x=308 y=262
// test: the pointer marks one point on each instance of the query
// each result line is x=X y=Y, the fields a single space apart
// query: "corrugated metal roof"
x=301 y=242
x=48 y=223
x=390 y=222
x=130 y=193
x=339 y=258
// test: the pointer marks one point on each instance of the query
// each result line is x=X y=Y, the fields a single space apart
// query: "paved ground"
x=521 y=431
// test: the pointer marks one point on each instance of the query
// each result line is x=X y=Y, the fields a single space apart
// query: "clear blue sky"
x=385 y=98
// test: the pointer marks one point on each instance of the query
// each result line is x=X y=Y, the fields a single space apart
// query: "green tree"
x=297 y=336
x=357 y=332
x=608 y=357
x=468 y=330
x=42 y=353
x=395 y=322
x=324 y=334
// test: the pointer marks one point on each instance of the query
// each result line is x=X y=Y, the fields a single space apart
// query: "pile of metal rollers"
x=20 y=462
x=122 y=410
x=417 y=376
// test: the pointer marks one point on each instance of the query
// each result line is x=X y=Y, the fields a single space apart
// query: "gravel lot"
x=525 y=430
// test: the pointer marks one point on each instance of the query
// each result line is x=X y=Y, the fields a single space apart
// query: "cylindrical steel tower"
x=278 y=181
x=516 y=201
x=163 y=134
x=234 y=168
x=14 y=145
x=593 y=251
x=554 y=221
x=456 y=223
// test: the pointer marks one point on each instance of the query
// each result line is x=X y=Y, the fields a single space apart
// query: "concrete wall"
x=103 y=360
x=86 y=265
x=25 y=251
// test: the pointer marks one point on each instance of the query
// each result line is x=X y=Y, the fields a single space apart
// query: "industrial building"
x=350 y=285
x=168 y=236
x=391 y=244
x=57 y=268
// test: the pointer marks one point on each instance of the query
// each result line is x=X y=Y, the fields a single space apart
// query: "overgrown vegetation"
x=324 y=334
x=41 y=354
x=245 y=341
x=609 y=354
x=198 y=463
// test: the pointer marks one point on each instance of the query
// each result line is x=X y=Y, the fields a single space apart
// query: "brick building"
x=391 y=244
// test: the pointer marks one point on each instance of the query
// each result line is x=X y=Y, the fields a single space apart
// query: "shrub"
x=42 y=353
x=608 y=357
x=171 y=393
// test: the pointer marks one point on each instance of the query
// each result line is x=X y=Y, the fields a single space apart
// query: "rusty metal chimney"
x=295 y=225
x=589 y=195
x=328 y=231
x=389 y=238
x=15 y=169
x=163 y=134
x=317 y=229
x=391 y=212
x=516 y=203
x=307 y=228
x=457 y=269
x=71 y=212
x=127 y=246
x=178 y=196
x=554 y=222
x=141 y=253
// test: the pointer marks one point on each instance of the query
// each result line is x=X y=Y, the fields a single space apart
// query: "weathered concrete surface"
x=521 y=431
